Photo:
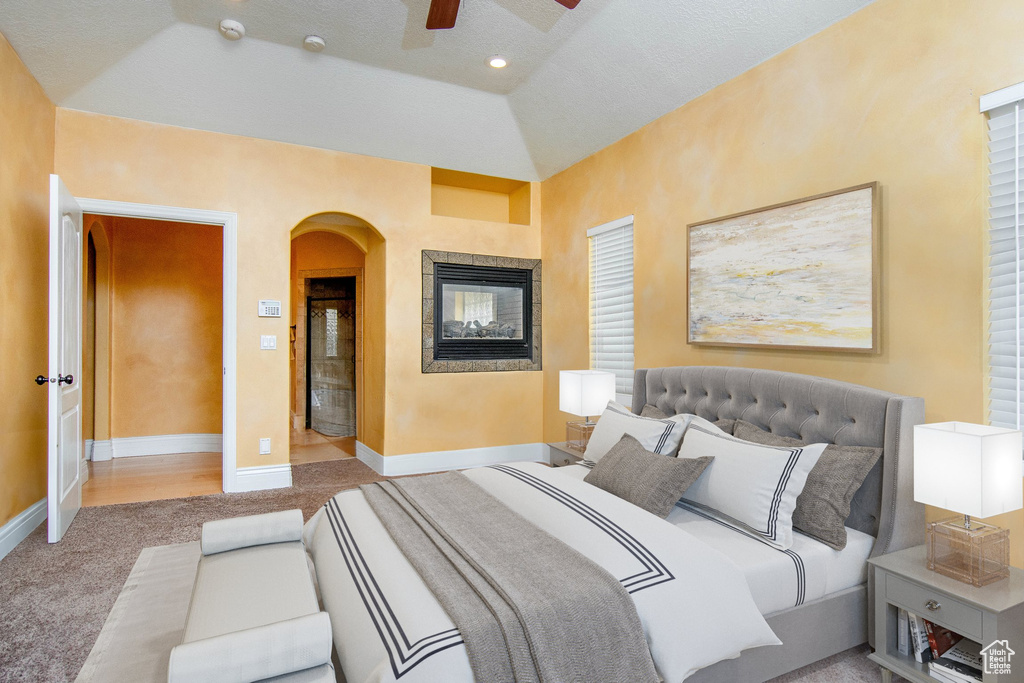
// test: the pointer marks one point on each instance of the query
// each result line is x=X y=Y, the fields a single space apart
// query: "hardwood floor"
x=156 y=477
x=305 y=445
x=152 y=477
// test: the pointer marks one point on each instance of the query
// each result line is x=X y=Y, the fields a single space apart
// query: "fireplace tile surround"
x=430 y=365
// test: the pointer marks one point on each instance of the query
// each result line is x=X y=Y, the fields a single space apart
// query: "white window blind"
x=1005 y=165
x=611 y=303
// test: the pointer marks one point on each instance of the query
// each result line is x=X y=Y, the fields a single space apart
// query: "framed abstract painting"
x=798 y=275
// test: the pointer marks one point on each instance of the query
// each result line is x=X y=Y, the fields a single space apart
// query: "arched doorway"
x=336 y=269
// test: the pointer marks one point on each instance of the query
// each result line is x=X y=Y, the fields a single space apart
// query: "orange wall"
x=96 y=346
x=274 y=186
x=88 y=337
x=318 y=251
x=166 y=322
x=888 y=94
x=26 y=159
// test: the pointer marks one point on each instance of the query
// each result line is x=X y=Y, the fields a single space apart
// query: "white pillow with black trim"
x=753 y=485
x=656 y=436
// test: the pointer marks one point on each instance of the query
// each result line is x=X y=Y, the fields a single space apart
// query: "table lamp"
x=584 y=393
x=974 y=470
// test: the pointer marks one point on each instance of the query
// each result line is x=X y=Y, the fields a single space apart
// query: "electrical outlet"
x=264 y=446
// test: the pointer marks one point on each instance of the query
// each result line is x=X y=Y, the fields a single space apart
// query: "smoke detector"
x=232 y=30
x=314 y=43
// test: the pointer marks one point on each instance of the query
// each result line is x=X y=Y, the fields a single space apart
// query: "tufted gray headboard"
x=815 y=410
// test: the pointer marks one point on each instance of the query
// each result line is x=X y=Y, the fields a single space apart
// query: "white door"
x=64 y=496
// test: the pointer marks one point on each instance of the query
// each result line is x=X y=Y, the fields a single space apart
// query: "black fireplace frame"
x=485 y=348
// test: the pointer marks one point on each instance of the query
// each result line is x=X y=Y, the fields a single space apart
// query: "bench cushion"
x=240 y=532
x=250 y=587
x=255 y=654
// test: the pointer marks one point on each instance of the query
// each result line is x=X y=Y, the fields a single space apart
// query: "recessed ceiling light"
x=232 y=30
x=314 y=43
x=497 y=62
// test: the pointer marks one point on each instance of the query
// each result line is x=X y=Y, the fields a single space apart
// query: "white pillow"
x=756 y=486
x=657 y=436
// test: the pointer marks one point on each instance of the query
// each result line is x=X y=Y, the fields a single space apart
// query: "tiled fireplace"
x=480 y=313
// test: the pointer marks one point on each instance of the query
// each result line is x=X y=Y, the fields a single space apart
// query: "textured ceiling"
x=385 y=86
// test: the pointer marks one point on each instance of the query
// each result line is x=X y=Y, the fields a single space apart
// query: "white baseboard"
x=440 y=461
x=18 y=529
x=88 y=448
x=262 y=478
x=165 y=444
x=101 y=450
x=369 y=457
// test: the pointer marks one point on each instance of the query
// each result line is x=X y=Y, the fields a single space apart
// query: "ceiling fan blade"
x=443 y=13
x=568 y=4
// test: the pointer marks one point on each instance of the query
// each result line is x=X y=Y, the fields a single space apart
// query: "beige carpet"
x=54 y=599
x=148 y=619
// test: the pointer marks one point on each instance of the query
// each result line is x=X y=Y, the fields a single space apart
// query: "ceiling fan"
x=443 y=12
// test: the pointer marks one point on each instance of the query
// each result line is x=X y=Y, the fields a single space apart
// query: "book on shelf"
x=962 y=662
x=919 y=638
x=903 y=633
x=938 y=675
x=940 y=638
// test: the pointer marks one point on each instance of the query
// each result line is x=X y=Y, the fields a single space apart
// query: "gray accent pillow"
x=657 y=413
x=648 y=480
x=867 y=504
x=824 y=505
x=653 y=412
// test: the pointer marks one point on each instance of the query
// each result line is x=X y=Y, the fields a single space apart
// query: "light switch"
x=264 y=446
x=268 y=341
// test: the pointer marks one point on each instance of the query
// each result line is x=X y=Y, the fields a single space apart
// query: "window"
x=1005 y=334
x=611 y=303
x=332 y=333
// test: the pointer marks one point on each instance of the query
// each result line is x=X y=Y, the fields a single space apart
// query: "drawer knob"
x=933 y=605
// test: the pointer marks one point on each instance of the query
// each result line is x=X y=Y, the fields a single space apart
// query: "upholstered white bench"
x=254 y=613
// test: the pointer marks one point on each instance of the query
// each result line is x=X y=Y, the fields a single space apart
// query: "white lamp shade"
x=967 y=468
x=585 y=392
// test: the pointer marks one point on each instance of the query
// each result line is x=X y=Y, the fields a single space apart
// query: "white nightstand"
x=995 y=612
x=560 y=455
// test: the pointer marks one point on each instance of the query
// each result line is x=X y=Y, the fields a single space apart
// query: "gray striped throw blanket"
x=494 y=574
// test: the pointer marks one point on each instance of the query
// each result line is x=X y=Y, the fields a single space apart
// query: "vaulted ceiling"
x=387 y=87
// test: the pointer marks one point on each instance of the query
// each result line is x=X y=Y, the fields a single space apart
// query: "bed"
x=388 y=626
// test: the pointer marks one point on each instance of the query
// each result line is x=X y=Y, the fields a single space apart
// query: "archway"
x=337 y=344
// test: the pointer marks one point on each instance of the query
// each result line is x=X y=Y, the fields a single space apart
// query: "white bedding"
x=778 y=579
x=693 y=601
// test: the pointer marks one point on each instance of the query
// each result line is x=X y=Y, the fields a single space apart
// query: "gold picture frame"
x=803 y=274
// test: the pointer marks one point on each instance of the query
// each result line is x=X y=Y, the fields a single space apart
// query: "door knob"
x=40 y=380
x=66 y=379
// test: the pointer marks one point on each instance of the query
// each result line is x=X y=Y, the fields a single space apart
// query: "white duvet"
x=693 y=602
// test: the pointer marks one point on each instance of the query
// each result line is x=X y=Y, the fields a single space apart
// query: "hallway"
x=157 y=477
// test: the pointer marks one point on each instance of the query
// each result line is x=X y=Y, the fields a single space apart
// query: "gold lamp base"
x=577 y=435
x=969 y=551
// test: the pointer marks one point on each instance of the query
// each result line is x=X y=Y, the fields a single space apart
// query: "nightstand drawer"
x=960 y=617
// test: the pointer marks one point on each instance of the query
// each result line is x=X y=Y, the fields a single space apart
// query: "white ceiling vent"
x=232 y=30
